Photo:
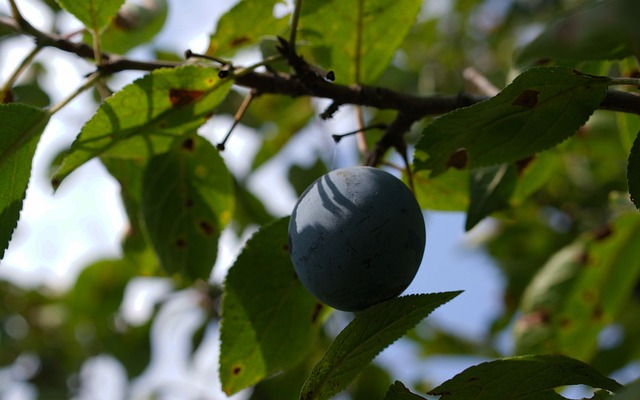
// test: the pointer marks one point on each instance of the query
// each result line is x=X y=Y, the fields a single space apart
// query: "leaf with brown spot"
x=527 y=99
x=525 y=377
x=245 y=24
x=267 y=314
x=539 y=109
x=145 y=117
x=582 y=289
x=458 y=160
x=182 y=97
x=187 y=199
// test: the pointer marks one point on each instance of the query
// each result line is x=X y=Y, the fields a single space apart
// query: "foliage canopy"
x=539 y=134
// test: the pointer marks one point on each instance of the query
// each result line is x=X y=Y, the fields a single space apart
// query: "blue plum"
x=356 y=237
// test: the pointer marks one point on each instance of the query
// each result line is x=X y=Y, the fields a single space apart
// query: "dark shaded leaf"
x=367 y=335
x=490 y=190
x=594 y=31
x=633 y=172
x=269 y=320
x=398 y=391
x=527 y=377
x=541 y=108
x=187 y=199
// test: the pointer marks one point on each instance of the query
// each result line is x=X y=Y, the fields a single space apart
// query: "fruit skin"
x=356 y=237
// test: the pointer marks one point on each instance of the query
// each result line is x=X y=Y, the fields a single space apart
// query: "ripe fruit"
x=356 y=237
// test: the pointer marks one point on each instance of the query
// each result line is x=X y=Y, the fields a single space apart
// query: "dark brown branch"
x=410 y=108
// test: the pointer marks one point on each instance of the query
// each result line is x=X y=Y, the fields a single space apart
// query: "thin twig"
x=295 y=18
x=236 y=118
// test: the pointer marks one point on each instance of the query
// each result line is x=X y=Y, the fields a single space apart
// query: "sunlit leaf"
x=527 y=377
x=541 y=108
x=145 y=116
x=22 y=126
x=594 y=31
x=187 y=199
x=490 y=190
x=244 y=25
x=269 y=320
x=94 y=14
x=367 y=335
x=446 y=192
x=360 y=37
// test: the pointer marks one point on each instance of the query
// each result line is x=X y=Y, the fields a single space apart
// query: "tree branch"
x=410 y=108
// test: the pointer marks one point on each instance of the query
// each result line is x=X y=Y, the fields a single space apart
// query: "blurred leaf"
x=187 y=199
x=633 y=172
x=356 y=34
x=370 y=383
x=535 y=172
x=282 y=118
x=248 y=209
x=398 y=391
x=94 y=14
x=31 y=93
x=541 y=108
x=245 y=25
x=594 y=31
x=134 y=25
x=301 y=177
x=630 y=392
x=269 y=320
x=526 y=377
x=144 y=117
x=581 y=290
x=368 y=334
x=490 y=190
x=446 y=192
x=22 y=126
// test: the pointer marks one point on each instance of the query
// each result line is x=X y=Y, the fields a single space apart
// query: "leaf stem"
x=6 y=88
x=295 y=18
x=91 y=80
x=625 y=81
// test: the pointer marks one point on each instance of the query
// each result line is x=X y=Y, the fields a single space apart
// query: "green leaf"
x=94 y=14
x=367 y=335
x=398 y=391
x=144 y=117
x=134 y=25
x=595 y=31
x=187 y=199
x=446 y=192
x=22 y=126
x=248 y=209
x=630 y=392
x=357 y=34
x=244 y=25
x=269 y=320
x=527 y=377
x=490 y=190
x=633 y=172
x=582 y=288
x=282 y=118
x=541 y=108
